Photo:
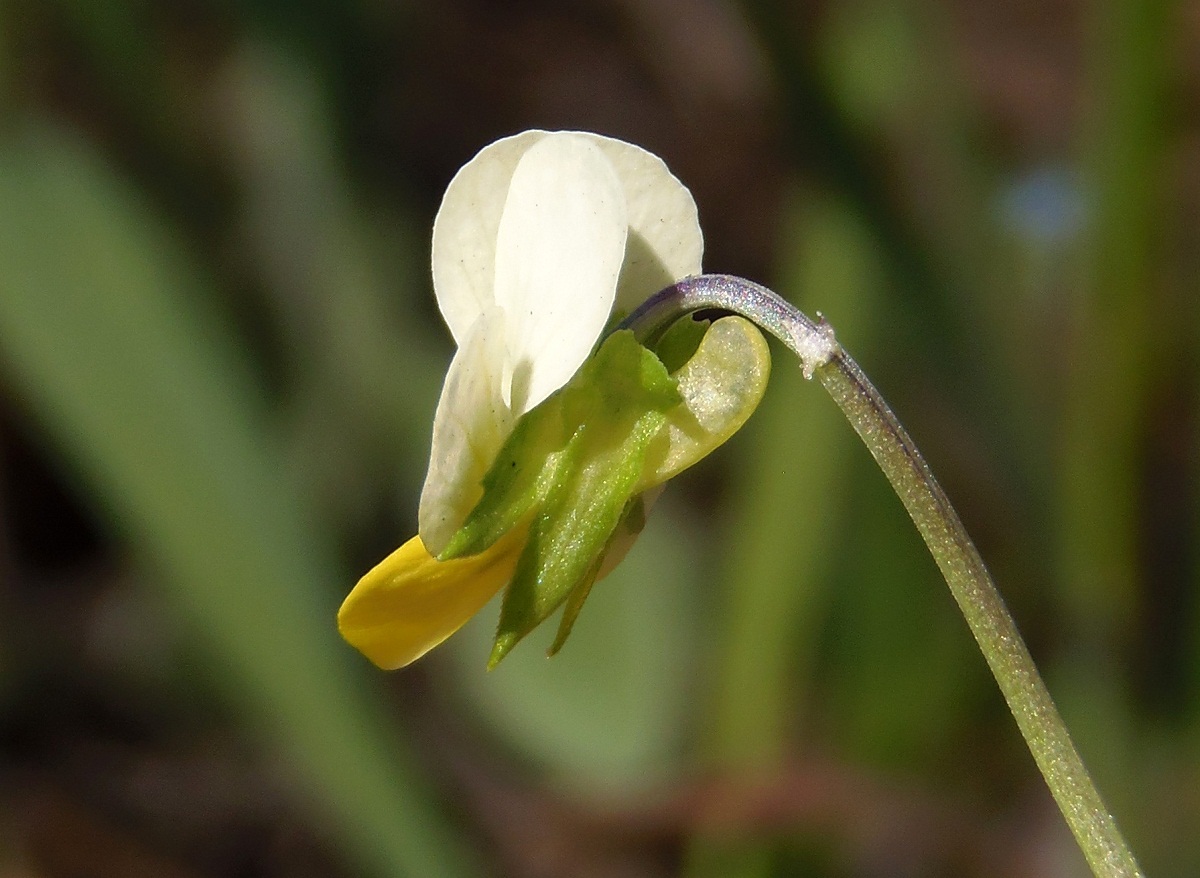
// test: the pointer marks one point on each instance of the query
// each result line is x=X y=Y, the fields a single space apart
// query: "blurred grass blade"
x=140 y=389
x=777 y=564
x=782 y=540
x=1114 y=357
x=345 y=284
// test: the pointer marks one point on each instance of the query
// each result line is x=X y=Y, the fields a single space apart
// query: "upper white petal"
x=470 y=425
x=665 y=242
x=559 y=250
x=464 y=232
x=537 y=238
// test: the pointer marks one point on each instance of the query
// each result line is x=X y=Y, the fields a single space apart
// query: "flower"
x=538 y=466
x=533 y=239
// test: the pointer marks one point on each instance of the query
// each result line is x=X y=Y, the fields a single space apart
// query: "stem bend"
x=959 y=561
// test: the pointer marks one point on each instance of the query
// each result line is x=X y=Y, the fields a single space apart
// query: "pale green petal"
x=559 y=251
x=470 y=426
x=665 y=242
x=464 y=232
x=410 y=602
x=721 y=386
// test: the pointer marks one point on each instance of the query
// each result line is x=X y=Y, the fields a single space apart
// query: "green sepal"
x=721 y=384
x=619 y=382
x=617 y=404
x=524 y=471
x=575 y=468
x=633 y=520
x=679 y=343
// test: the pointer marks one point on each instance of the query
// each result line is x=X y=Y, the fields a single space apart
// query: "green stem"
x=972 y=586
x=985 y=612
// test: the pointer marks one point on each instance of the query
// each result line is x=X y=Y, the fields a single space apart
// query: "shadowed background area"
x=219 y=357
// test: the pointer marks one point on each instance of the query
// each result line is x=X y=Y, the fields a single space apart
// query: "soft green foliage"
x=143 y=392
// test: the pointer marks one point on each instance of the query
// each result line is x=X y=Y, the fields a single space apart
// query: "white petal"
x=559 y=250
x=665 y=242
x=471 y=423
x=464 y=232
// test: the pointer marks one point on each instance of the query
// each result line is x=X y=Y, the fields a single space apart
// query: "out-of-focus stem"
x=971 y=584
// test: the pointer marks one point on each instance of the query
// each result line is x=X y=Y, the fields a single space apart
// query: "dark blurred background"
x=219 y=355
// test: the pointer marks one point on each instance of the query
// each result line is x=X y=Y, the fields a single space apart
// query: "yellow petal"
x=410 y=602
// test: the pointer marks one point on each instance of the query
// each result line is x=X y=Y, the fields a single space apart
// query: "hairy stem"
x=971 y=584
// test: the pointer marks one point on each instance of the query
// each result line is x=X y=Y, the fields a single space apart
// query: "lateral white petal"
x=559 y=250
x=464 y=232
x=471 y=423
x=665 y=242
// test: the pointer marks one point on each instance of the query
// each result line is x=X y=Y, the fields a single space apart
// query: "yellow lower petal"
x=410 y=602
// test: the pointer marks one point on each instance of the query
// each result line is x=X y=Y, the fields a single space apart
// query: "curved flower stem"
x=977 y=596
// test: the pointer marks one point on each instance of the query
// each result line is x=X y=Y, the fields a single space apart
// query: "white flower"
x=539 y=239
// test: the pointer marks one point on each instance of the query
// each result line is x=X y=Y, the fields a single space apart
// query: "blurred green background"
x=219 y=356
